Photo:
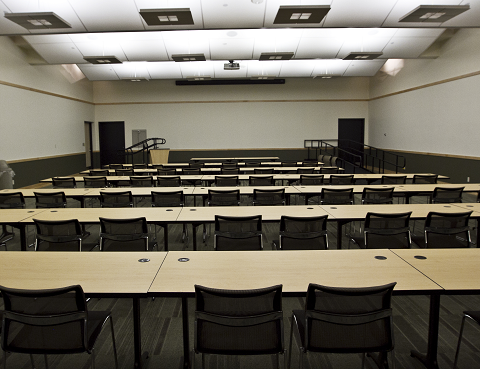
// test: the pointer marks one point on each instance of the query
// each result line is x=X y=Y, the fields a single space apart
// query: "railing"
x=360 y=155
x=143 y=148
x=344 y=157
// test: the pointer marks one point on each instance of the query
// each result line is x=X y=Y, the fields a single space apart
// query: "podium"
x=159 y=156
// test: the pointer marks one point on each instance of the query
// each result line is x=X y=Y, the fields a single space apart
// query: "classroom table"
x=114 y=179
x=99 y=274
x=243 y=158
x=73 y=193
x=293 y=269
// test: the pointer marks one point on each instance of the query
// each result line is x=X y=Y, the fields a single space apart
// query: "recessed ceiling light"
x=434 y=13
x=167 y=17
x=276 y=56
x=39 y=20
x=102 y=59
x=257 y=1
x=135 y=79
x=362 y=56
x=291 y=14
x=188 y=57
x=263 y=77
x=198 y=78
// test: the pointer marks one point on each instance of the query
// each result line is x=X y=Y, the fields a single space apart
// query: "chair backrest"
x=99 y=172
x=263 y=171
x=336 y=196
x=223 y=198
x=227 y=181
x=95 y=182
x=50 y=199
x=12 y=200
x=310 y=163
x=447 y=230
x=116 y=199
x=328 y=170
x=238 y=233
x=342 y=179
x=168 y=199
x=229 y=165
x=303 y=233
x=394 y=179
x=246 y=322
x=269 y=196
x=116 y=166
x=191 y=171
x=424 y=178
x=444 y=195
x=141 y=181
x=289 y=163
x=334 y=161
x=123 y=234
x=387 y=231
x=349 y=320
x=50 y=321
x=377 y=195
x=230 y=170
x=166 y=171
x=311 y=179
x=196 y=165
x=64 y=182
x=261 y=181
x=125 y=172
x=140 y=166
x=169 y=181
x=58 y=235
x=157 y=166
x=252 y=163
x=305 y=170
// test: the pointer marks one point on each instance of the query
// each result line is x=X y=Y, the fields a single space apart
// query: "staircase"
x=142 y=149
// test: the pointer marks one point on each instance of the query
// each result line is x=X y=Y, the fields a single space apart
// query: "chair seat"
x=475 y=315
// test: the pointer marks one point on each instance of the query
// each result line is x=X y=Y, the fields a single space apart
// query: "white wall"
x=244 y=116
x=35 y=124
x=441 y=118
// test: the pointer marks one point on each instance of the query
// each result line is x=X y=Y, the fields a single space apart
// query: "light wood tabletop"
x=8 y=216
x=242 y=158
x=245 y=190
x=69 y=192
x=125 y=178
x=140 y=191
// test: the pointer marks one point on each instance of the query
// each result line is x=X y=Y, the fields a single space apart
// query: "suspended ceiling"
x=224 y=30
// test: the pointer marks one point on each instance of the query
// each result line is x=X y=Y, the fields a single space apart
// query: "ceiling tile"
x=164 y=70
x=227 y=14
x=355 y=13
x=53 y=54
x=231 y=48
x=98 y=72
x=144 y=50
x=365 y=68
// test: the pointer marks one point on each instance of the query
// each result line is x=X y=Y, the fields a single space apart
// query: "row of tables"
x=432 y=272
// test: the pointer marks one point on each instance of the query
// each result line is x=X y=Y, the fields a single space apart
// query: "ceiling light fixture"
x=188 y=57
x=434 y=13
x=292 y=14
x=39 y=20
x=276 y=56
x=102 y=59
x=362 y=56
x=257 y=1
x=167 y=17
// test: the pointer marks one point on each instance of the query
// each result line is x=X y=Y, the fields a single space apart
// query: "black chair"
x=192 y=172
x=302 y=233
x=117 y=199
x=445 y=230
x=169 y=181
x=157 y=166
x=310 y=163
x=244 y=322
x=64 y=182
x=141 y=181
x=473 y=316
x=311 y=179
x=167 y=172
x=336 y=196
x=230 y=171
x=116 y=166
x=425 y=179
x=50 y=200
x=12 y=200
x=140 y=166
x=95 y=182
x=124 y=172
x=385 y=231
x=196 y=165
x=377 y=195
x=169 y=199
x=99 y=172
x=261 y=181
x=263 y=171
x=269 y=196
x=223 y=198
x=345 y=320
x=125 y=235
x=51 y=322
x=228 y=181
x=289 y=163
x=447 y=195
x=328 y=170
x=58 y=235
x=252 y=163
x=229 y=165
x=305 y=170
x=342 y=179
x=394 y=179
x=238 y=233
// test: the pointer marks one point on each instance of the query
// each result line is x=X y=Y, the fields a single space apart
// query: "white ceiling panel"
x=263 y=68
x=131 y=70
x=363 y=68
x=296 y=68
x=197 y=69
x=195 y=7
x=403 y=48
x=225 y=14
x=164 y=70
x=272 y=7
x=361 y=44
x=144 y=50
x=355 y=13
x=67 y=54
x=100 y=48
x=48 y=39
x=319 y=47
x=231 y=48
x=98 y=72
x=330 y=67
x=275 y=45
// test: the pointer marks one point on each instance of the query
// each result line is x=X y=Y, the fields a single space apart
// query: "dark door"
x=351 y=135
x=111 y=136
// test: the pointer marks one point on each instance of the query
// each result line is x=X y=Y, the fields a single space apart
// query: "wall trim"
x=44 y=158
x=252 y=149
x=231 y=101
x=435 y=154
x=31 y=89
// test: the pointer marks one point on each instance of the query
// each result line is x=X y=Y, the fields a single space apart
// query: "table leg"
x=194 y=236
x=137 y=335
x=23 y=236
x=186 y=343
x=430 y=358
x=165 y=236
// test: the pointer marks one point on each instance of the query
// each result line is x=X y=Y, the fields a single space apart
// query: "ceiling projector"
x=231 y=65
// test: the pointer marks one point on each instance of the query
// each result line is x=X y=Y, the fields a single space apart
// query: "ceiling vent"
x=167 y=17
x=276 y=56
x=45 y=20
x=362 y=56
x=434 y=13
x=188 y=57
x=102 y=59
x=305 y=14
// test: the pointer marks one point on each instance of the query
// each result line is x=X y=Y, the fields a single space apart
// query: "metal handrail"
x=146 y=145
